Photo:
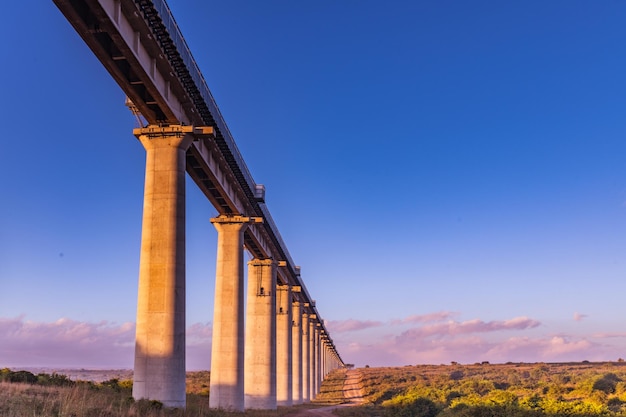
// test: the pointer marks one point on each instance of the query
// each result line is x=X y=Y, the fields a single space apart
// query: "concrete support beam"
x=227 y=353
x=160 y=333
x=306 y=358
x=296 y=353
x=260 y=346
x=284 y=380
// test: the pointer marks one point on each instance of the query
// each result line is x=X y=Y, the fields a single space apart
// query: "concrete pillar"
x=284 y=378
x=318 y=358
x=312 y=362
x=296 y=353
x=227 y=352
x=306 y=358
x=260 y=362
x=160 y=333
x=323 y=357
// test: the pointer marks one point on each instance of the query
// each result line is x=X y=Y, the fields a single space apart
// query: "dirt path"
x=352 y=391
x=352 y=388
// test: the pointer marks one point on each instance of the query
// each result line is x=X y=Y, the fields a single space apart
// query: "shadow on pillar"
x=160 y=377
x=226 y=397
x=260 y=402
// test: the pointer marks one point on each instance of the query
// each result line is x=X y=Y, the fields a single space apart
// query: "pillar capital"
x=173 y=136
x=262 y=262
x=156 y=131
x=223 y=218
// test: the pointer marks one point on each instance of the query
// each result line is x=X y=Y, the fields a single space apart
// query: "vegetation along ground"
x=479 y=390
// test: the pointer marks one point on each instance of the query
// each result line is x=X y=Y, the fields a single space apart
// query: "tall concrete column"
x=318 y=359
x=306 y=358
x=260 y=351
x=160 y=333
x=322 y=356
x=296 y=353
x=284 y=378
x=312 y=362
x=227 y=352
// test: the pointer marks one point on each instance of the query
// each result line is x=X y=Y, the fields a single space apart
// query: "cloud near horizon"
x=66 y=342
x=473 y=341
x=434 y=338
x=350 y=325
x=70 y=343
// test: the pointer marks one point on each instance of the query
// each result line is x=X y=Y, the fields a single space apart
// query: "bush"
x=420 y=407
x=55 y=380
x=607 y=383
x=22 y=376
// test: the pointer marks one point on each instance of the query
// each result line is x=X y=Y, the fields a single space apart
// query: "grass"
x=63 y=398
x=580 y=389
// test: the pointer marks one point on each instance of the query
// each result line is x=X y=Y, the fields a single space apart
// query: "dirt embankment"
x=352 y=392
x=352 y=387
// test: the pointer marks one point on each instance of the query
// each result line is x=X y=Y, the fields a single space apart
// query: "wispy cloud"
x=609 y=335
x=426 y=318
x=579 y=317
x=351 y=325
x=71 y=343
x=198 y=340
x=471 y=326
x=66 y=342
x=473 y=348
x=436 y=339
x=431 y=338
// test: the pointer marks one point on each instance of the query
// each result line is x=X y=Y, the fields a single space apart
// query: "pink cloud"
x=67 y=343
x=550 y=348
x=609 y=335
x=198 y=340
x=466 y=348
x=199 y=334
x=426 y=318
x=580 y=317
x=471 y=326
x=351 y=325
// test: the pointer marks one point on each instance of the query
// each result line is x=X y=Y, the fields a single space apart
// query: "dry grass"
x=89 y=400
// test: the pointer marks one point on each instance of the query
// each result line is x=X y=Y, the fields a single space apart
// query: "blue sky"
x=450 y=176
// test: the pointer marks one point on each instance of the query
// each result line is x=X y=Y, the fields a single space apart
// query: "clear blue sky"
x=450 y=175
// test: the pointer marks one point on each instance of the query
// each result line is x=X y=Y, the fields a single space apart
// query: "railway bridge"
x=280 y=351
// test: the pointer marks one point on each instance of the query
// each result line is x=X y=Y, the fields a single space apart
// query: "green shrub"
x=420 y=407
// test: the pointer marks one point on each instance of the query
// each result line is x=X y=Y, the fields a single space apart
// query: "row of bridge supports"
x=277 y=354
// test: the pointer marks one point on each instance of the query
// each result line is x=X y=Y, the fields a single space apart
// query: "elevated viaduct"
x=281 y=350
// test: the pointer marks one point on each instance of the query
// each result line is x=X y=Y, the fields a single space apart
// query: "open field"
x=513 y=389
x=23 y=393
x=580 y=389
